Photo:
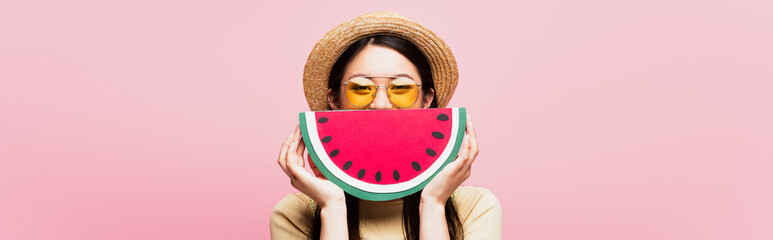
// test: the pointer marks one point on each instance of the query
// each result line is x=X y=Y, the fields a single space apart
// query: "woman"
x=380 y=49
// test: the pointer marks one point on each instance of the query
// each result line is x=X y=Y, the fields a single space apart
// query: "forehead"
x=378 y=60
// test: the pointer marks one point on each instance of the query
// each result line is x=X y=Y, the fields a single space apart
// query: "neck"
x=390 y=202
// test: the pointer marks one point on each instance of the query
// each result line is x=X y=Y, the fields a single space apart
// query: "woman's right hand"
x=319 y=189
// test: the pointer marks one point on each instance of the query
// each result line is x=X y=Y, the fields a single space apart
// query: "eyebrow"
x=394 y=76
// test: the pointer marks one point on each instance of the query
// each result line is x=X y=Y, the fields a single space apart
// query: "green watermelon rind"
x=362 y=194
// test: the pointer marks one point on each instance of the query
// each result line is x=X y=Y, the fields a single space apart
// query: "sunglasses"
x=401 y=91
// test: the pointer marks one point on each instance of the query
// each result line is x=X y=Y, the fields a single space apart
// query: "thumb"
x=314 y=168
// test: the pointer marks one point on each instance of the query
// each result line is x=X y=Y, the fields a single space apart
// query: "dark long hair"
x=411 y=202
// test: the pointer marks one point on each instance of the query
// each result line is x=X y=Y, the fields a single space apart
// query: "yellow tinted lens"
x=360 y=91
x=403 y=92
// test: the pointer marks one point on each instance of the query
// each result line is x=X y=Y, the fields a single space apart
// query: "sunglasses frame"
x=389 y=96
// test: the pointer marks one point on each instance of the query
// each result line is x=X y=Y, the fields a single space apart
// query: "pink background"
x=597 y=119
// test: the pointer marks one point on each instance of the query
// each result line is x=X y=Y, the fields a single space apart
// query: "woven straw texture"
x=327 y=50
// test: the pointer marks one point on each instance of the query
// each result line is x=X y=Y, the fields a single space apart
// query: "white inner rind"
x=311 y=125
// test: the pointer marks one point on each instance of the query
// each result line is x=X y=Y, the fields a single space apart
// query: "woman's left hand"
x=447 y=180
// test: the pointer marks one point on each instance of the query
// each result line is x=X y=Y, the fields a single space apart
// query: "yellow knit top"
x=478 y=209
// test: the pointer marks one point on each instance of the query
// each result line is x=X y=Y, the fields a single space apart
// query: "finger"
x=285 y=144
x=300 y=174
x=311 y=162
x=296 y=148
x=464 y=150
x=282 y=161
x=297 y=131
x=463 y=159
x=454 y=166
x=294 y=160
x=299 y=138
x=473 y=138
x=291 y=156
x=312 y=165
x=449 y=177
x=462 y=174
x=283 y=151
x=470 y=125
x=473 y=148
x=299 y=153
x=317 y=172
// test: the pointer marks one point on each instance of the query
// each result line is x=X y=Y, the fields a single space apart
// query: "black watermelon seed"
x=335 y=153
x=396 y=174
x=416 y=166
x=430 y=152
x=324 y=119
x=328 y=138
x=437 y=135
x=378 y=176
x=361 y=174
x=441 y=117
x=347 y=165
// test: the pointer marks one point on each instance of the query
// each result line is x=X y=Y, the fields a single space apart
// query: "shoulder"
x=292 y=216
x=479 y=211
x=294 y=201
x=474 y=202
x=469 y=195
x=294 y=205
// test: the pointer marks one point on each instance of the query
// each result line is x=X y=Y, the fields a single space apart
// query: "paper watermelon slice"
x=381 y=155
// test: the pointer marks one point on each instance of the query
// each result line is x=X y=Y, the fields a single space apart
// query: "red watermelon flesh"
x=383 y=154
x=364 y=146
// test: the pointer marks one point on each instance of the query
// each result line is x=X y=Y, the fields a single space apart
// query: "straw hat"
x=327 y=50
